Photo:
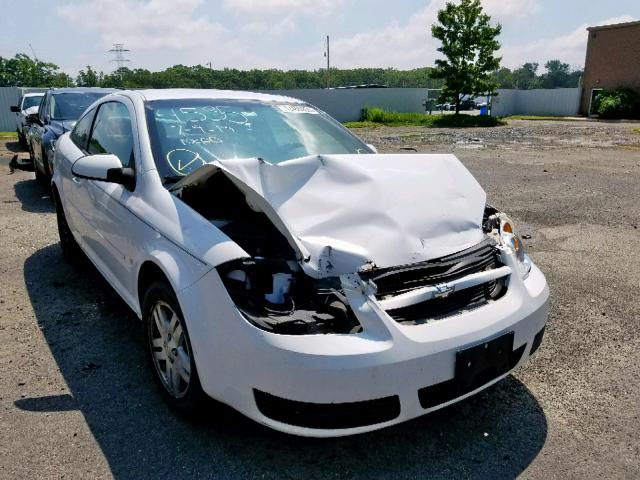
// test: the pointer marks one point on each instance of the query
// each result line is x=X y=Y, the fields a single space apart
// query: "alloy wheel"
x=170 y=349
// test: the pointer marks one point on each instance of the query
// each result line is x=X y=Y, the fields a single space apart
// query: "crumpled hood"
x=31 y=110
x=346 y=213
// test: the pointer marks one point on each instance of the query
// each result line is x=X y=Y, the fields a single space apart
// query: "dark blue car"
x=59 y=110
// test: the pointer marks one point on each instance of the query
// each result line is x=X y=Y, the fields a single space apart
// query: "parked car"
x=27 y=105
x=282 y=267
x=58 y=111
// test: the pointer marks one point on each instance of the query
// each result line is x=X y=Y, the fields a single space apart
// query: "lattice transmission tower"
x=118 y=51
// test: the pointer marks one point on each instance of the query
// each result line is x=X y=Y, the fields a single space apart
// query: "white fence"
x=347 y=104
x=554 y=102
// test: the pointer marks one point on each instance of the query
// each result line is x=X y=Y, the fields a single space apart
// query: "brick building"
x=613 y=59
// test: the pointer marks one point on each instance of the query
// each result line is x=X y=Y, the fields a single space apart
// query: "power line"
x=327 y=54
x=35 y=57
x=118 y=51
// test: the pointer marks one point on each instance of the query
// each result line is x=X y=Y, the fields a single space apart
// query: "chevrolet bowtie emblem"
x=443 y=290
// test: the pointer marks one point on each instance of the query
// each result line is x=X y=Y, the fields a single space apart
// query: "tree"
x=469 y=45
x=525 y=77
x=89 y=78
x=23 y=71
x=557 y=74
x=503 y=78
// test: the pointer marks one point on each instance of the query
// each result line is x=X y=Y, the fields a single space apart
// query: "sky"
x=287 y=34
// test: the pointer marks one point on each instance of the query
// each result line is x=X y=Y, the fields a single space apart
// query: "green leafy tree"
x=89 y=78
x=23 y=71
x=469 y=44
x=526 y=77
x=557 y=74
x=504 y=78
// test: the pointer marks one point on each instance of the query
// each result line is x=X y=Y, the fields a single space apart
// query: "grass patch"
x=372 y=117
x=636 y=130
x=8 y=135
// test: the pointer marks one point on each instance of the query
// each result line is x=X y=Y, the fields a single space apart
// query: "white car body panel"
x=387 y=210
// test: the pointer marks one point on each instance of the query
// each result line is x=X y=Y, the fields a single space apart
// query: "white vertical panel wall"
x=347 y=104
x=554 y=102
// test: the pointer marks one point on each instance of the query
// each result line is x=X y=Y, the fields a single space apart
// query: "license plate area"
x=482 y=363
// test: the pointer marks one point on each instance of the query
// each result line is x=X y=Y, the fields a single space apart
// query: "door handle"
x=76 y=180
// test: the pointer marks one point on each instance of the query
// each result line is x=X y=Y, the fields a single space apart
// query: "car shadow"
x=15 y=147
x=33 y=197
x=97 y=343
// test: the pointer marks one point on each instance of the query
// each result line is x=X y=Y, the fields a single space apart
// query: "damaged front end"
x=419 y=265
x=277 y=296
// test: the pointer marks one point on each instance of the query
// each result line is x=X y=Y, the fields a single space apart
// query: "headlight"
x=500 y=225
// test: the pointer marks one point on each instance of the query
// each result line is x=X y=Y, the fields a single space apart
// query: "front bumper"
x=334 y=385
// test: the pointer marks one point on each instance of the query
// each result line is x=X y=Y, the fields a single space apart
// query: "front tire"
x=170 y=348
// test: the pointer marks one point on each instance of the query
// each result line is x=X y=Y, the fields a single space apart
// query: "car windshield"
x=29 y=102
x=187 y=134
x=69 y=106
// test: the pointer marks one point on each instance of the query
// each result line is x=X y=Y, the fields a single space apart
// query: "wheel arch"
x=150 y=271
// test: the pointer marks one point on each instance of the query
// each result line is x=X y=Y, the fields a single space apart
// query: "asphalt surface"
x=77 y=399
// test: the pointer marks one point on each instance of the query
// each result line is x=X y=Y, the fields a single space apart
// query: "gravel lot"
x=78 y=401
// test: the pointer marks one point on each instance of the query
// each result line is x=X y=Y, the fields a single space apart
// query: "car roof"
x=190 y=93
x=33 y=94
x=55 y=91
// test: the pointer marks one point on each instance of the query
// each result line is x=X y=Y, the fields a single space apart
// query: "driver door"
x=111 y=227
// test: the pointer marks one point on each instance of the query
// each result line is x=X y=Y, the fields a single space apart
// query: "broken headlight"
x=276 y=296
x=499 y=226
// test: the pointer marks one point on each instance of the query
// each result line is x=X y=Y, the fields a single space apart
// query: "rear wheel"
x=170 y=349
x=40 y=177
x=70 y=248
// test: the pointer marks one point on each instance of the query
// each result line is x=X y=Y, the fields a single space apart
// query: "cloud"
x=501 y=10
x=401 y=45
x=278 y=7
x=410 y=44
x=144 y=25
x=570 y=48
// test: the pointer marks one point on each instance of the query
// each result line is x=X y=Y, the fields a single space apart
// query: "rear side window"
x=113 y=133
x=80 y=133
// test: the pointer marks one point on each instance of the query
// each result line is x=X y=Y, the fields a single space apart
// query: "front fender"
x=180 y=269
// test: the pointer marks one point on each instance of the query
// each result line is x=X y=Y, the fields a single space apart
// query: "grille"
x=395 y=281
x=327 y=415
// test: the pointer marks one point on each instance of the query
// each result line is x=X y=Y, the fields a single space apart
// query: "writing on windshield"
x=187 y=134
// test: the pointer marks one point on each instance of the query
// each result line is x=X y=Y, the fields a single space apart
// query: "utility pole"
x=327 y=54
x=210 y=66
x=118 y=50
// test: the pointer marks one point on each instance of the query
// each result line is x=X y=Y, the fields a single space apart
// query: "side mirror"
x=106 y=168
x=15 y=108
x=372 y=147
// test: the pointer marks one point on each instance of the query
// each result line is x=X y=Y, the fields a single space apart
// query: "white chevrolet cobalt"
x=281 y=266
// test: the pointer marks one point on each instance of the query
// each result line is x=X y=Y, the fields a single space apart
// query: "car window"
x=69 y=106
x=113 y=133
x=80 y=133
x=28 y=102
x=43 y=108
